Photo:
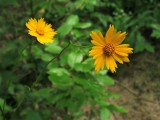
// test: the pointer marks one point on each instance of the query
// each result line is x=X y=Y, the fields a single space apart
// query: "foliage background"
x=57 y=81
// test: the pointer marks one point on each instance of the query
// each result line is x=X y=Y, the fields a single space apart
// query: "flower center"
x=40 y=32
x=108 y=49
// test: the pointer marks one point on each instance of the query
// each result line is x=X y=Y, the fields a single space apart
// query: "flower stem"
x=39 y=76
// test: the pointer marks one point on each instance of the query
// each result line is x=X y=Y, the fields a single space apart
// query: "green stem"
x=77 y=45
x=39 y=76
x=2 y=110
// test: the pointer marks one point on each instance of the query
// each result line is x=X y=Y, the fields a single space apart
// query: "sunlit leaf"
x=67 y=26
x=105 y=114
x=74 y=57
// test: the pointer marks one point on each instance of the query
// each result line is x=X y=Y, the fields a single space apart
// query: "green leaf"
x=74 y=58
x=103 y=18
x=139 y=47
x=156 y=34
x=38 y=52
x=149 y=47
x=53 y=48
x=58 y=71
x=83 y=25
x=104 y=79
x=46 y=57
x=105 y=114
x=112 y=95
x=82 y=82
x=61 y=81
x=77 y=33
x=102 y=103
x=156 y=30
x=56 y=98
x=86 y=66
x=117 y=108
x=142 y=44
x=43 y=92
x=33 y=115
x=67 y=26
x=3 y=104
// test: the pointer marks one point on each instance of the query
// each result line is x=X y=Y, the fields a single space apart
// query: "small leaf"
x=105 y=114
x=33 y=115
x=46 y=57
x=117 y=108
x=67 y=26
x=3 y=104
x=85 y=66
x=156 y=30
x=53 y=48
x=139 y=47
x=42 y=93
x=58 y=71
x=74 y=58
x=104 y=79
x=83 y=25
x=38 y=52
x=142 y=44
x=149 y=47
x=103 y=103
x=61 y=81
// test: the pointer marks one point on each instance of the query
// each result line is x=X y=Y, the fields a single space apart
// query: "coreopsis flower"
x=107 y=50
x=41 y=30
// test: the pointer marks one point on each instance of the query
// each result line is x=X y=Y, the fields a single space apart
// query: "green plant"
x=58 y=79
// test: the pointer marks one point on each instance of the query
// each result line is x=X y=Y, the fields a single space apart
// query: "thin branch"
x=81 y=46
x=38 y=78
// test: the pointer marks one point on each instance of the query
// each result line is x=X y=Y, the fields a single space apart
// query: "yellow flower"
x=108 y=49
x=41 y=30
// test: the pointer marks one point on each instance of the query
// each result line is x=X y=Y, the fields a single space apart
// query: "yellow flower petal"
x=120 y=38
x=111 y=64
x=97 y=55
x=41 y=24
x=94 y=52
x=44 y=40
x=41 y=30
x=96 y=43
x=125 y=50
x=117 y=58
x=97 y=38
x=108 y=50
x=122 y=45
x=121 y=53
x=99 y=63
x=125 y=59
x=32 y=24
x=112 y=36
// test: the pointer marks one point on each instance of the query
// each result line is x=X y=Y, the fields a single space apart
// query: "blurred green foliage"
x=58 y=80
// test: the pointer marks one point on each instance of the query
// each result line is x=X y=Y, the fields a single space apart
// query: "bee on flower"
x=107 y=50
x=41 y=30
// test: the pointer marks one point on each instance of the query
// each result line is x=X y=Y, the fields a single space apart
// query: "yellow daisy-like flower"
x=41 y=30
x=108 y=49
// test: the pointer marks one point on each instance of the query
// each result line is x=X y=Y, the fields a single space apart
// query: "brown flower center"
x=108 y=49
x=40 y=32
